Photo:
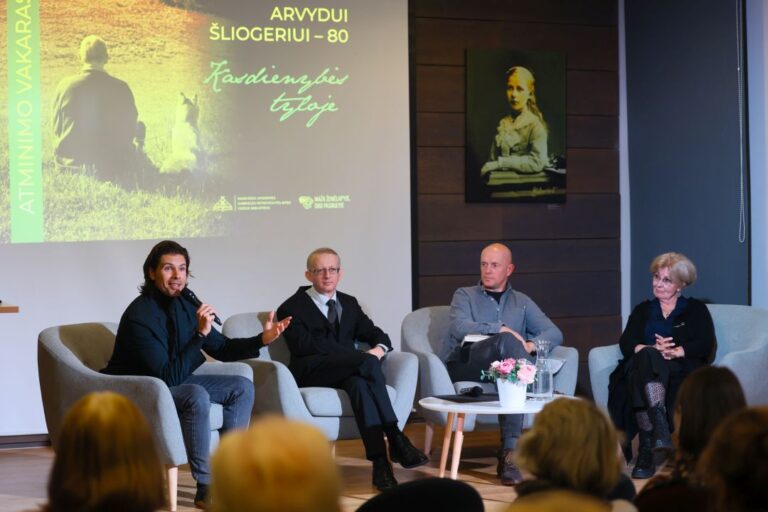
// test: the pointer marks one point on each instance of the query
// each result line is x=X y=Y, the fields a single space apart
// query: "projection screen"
x=250 y=131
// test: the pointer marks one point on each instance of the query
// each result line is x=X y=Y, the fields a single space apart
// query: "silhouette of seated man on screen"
x=95 y=121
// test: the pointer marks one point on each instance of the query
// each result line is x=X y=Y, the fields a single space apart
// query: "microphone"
x=474 y=391
x=191 y=297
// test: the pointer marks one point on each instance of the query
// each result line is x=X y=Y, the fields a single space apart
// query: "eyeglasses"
x=665 y=281
x=331 y=271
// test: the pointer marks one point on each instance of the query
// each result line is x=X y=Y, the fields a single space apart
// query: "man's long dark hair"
x=153 y=259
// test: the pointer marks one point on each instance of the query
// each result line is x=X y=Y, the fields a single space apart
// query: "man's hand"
x=377 y=351
x=205 y=315
x=272 y=329
x=529 y=346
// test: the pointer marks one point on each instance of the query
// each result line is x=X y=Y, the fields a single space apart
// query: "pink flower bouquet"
x=511 y=370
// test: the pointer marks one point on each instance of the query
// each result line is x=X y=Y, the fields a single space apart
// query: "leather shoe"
x=202 y=498
x=383 y=478
x=506 y=469
x=401 y=450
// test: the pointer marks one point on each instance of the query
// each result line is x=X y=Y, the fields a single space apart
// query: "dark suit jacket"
x=311 y=336
x=145 y=345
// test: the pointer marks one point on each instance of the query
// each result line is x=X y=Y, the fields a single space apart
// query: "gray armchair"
x=424 y=332
x=69 y=358
x=742 y=346
x=328 y=409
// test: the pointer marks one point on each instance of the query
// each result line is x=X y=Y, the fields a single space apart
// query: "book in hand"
x=473 y=338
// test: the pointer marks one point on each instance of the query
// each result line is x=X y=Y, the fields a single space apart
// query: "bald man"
x=513 y=323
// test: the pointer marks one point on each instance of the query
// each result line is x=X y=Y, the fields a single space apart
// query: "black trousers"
x=360 y=375
x=646 y=366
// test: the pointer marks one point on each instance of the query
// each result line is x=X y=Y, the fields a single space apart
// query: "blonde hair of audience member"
x=572 y=445
x=277 y=465
x=105 y=459
x=681 y=269
x=735 y=462
x=559 y=501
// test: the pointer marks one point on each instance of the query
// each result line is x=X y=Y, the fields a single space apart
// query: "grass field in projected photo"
x=160 y=51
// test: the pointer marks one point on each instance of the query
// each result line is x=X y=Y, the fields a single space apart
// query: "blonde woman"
x=572 y=446
x=277 y=465
x=666 y=338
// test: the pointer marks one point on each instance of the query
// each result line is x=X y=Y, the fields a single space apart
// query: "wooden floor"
x=24 y=473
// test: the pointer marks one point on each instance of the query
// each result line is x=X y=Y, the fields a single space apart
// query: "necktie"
x=333 y=315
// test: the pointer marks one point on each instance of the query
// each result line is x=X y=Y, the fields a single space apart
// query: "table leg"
x=446 y=443
x=457 y=442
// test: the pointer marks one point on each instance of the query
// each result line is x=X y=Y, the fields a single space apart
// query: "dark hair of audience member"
x=706 y=397
x=735 y=462
x=105 y=459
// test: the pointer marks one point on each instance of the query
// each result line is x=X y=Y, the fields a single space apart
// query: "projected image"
x=515 y=107
x=150 y=119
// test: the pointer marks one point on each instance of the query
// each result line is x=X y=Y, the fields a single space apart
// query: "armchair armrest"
x=221 y=368
x=565 y=379
x=400 y=371
x=276 y=390
x=64 y=380
x=749 y=367
x=602 y=362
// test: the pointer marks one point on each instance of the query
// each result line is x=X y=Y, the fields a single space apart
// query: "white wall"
x=757 y=72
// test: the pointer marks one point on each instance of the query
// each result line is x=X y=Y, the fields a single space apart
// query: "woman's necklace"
x=667 y=309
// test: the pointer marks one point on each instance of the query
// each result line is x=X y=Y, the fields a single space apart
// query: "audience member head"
x=93 y=51
x=572 y=445
x=153 y=260
x=735 y=461
x=105 y=459
x=682 y=271
x=706 y=397
x=277 y=465
x=439 y=494
x=559 y=501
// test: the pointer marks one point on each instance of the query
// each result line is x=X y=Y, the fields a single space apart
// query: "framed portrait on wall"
x=516 y=126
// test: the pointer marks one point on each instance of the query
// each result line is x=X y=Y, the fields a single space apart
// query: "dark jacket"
x=311 y=336
x=693 y=330
x=157 y=336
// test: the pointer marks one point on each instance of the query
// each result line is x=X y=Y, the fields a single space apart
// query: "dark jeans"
x=193 y=401
x=477 y=357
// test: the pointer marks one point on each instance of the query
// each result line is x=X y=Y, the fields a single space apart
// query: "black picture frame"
x=532 y=174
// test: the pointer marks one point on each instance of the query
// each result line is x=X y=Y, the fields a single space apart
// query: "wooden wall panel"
x=444 y=41
x=567 y=255
x=565 y=294
x=448 y=217
x=589 y=12
x=530 y=256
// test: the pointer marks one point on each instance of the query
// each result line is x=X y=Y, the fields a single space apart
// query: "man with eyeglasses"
x=512 y=322
x=322 y=336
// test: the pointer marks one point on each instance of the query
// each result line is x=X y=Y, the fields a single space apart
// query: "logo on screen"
x=306 y=202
